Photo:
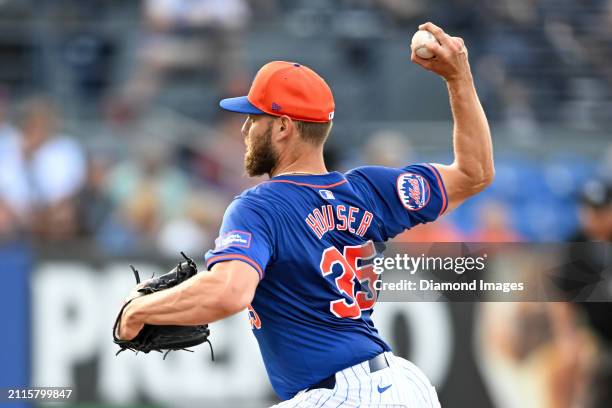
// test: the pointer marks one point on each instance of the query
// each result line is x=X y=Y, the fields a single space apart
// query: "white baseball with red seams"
x=419 y=40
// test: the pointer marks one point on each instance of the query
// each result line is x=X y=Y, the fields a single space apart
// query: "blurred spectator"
x=9 y=219
x=146 y=190
x=42 y=171
x=149 y=175
x=196 y=229
x=8 y=222
x=94 y=204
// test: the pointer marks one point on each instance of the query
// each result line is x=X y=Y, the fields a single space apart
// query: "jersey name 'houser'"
x=339 y=218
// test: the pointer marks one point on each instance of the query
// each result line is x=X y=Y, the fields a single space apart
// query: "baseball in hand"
x=419 y=40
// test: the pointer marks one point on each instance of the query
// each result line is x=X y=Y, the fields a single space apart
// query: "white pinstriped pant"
x=402 y=384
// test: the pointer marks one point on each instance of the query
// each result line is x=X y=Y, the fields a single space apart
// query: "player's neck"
x=303 y=164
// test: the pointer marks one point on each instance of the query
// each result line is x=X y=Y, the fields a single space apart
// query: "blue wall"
x=15 y=267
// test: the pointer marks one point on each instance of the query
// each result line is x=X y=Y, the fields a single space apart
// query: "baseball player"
x=294 y=249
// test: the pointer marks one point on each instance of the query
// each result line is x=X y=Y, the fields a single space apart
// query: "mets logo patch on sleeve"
x=413 y=191
x=233 y=239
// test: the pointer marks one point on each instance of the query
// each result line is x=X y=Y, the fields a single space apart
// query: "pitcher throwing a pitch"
x=294 y=249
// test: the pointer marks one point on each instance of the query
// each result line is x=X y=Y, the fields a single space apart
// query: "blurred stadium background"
x=113 y=150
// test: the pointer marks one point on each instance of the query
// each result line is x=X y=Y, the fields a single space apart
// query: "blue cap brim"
x=241 y=105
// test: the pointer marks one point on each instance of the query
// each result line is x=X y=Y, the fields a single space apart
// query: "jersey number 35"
x=351 y=274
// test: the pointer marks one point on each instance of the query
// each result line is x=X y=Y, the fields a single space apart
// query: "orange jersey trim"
x=236 y=257
x=306 y=184
x=441 y=185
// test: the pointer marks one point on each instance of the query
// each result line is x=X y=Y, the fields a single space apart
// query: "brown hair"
x=314 y=132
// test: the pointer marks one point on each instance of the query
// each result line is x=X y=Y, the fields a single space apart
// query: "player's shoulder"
x=369 y=171
x=367 y=175
x=262 y=197
x=374 y=175
x=250 y=197
x=367 y=179
x=264 y=191
x=363 y=171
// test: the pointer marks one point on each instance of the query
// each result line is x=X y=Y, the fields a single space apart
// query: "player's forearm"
x=471 y=135
x=203 y=299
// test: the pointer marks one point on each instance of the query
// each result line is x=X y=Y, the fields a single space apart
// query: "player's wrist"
x=133 y=314
x=460 y=79
x=131 y=323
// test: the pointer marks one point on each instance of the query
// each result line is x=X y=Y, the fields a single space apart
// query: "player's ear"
x=284 y=128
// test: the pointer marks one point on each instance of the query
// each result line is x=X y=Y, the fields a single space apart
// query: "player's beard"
x=260 y=157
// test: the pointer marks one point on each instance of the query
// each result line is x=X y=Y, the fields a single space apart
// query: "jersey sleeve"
x=401 y=198
x=245 y=235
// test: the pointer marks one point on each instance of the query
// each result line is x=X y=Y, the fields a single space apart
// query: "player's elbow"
x=234 y=299
x=235 y=284
x=478 y=178
x=487 y=176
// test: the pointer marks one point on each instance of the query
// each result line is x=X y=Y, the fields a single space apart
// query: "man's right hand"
x=450 y=59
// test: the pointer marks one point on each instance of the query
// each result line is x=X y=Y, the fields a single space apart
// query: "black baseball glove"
x=164 y=338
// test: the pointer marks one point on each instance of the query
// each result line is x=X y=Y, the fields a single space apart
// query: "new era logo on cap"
x=286 y=88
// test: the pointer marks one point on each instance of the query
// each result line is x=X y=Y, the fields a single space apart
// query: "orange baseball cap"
x=286 y=88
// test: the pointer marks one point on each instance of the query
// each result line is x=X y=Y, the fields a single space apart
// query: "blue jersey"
x=310 y=238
